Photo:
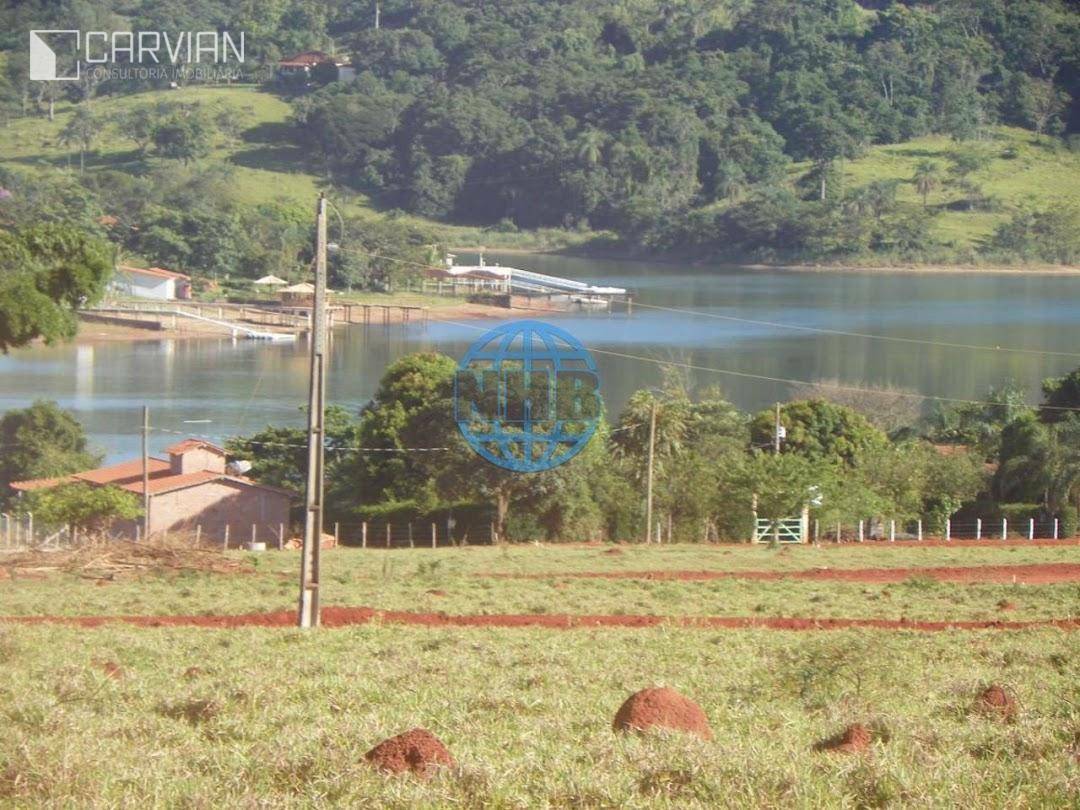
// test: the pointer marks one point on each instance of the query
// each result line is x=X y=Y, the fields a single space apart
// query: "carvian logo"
x=60 y=55
x=526 y=396
x=43 y=63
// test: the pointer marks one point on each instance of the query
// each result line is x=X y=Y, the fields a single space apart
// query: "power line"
x=864 y=335
x=785 y=380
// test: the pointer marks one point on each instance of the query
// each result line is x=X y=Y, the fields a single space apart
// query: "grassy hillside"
x=1022 y=170
x=264 y=166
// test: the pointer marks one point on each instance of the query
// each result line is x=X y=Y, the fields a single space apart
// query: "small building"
x=152 y=282
x=302 y=64
x=192 y=488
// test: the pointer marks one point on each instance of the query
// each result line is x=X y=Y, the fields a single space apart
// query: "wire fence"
x=876 y=530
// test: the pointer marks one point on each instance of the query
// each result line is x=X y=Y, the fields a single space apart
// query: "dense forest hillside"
x=824 y=129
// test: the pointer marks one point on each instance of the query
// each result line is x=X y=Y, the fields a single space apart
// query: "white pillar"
x=1004 y=528
x=948 y=530
x=892 y=531
x=1055 y=528
x=978 y=528
x=920 y=530
x=1031 y=528
x=860 y=531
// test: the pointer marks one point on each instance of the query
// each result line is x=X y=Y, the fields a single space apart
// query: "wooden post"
x=225 y=545
x=838 y=532
x=649 y=474
x=817 y=531
x=1004 y=528
x=1055 y=528
x=280 y=536
x=198 y=534
x=138 y=533
x=253 y=531
x=337 y=535
x=920 y=530
x=363 y=534
x=434 y=536
x=948 y=529
x=491 y=532
x=670 y=526
x=978 y=528
x=388 y=535
x=411 y=544
x=892 y=531
x=860 y=531
x=1031 y=528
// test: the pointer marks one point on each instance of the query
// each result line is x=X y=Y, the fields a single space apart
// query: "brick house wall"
x=215 y=504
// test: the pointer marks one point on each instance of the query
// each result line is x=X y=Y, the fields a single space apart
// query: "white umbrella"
x=270 y=281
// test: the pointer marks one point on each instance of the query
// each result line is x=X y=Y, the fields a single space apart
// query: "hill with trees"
x=716 y=129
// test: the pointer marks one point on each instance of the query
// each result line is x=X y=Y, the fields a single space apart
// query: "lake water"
x=221 y=388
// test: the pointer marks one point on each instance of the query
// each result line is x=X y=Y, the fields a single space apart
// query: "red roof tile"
x=193 y=444
x=156 y=272
x=122 y=473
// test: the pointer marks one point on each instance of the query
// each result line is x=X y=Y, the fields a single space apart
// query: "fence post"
x=30 y=527
x=1004 y=528
x=838 y=532
x=433 y=535
x=198 y=533
x=388 y=535
x=978 y=528
x=138 y=533
x=225 y=543
x=280 y=536
x=1031 y=528
x=948 y=529
x=4 y=526
x=411 y=544
x=1055 y=528
x=337 y=535
x=920 y=530
x=363 y=534
x=860 y=531
x=892 y=531
x=253 y=531
x=817 y=531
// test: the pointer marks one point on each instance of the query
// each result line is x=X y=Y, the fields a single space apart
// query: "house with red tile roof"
x=192 y=488
x=302 y=64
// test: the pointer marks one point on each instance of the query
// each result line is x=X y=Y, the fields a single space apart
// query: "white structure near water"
x=155 y=283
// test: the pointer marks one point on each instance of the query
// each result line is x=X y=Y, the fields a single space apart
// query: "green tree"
x=41 y=441
x=47 y=272
x=820 y=431
x=927 y=179
x=81 y=130
x=1060 y=393
x=82 y=507
x=186 y=135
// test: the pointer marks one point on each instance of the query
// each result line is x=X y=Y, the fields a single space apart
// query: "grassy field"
x=1021 y=170
x=194 y=717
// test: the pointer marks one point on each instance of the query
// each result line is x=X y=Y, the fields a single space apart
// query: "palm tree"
x=590 y=146
x=927 y=178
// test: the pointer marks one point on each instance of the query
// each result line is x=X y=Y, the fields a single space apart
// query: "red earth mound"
x=997 y=702
x=661 y=707
x=854 y=739
x=418 y=751
x=346 y=616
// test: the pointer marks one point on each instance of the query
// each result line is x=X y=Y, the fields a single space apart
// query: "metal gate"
x=786 y=530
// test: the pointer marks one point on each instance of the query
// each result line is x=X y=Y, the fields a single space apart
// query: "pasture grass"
x=282 y=718
x=454 y=580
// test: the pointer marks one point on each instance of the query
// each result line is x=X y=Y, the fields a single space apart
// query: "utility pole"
x=313 y=513
x=146 y=473
x=649 y=474
x=776 y=431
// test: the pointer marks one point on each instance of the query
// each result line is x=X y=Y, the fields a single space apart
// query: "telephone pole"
x=649 y=474
x=146 y=473
x=313 y=513
x=776 y=432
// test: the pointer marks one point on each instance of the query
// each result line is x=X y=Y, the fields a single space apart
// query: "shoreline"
x=94 y=333
x=791 y=267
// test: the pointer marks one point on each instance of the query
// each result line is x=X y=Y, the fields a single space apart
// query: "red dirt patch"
x=1005 y=604
x=854 y=739
x=1032 y=574
x=418 y=751
x=660 y=707
x=346 y=616
x=997 y=702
